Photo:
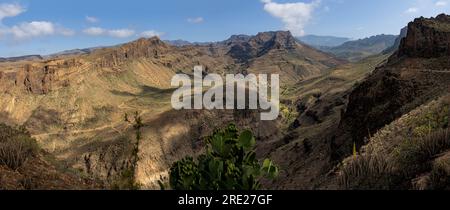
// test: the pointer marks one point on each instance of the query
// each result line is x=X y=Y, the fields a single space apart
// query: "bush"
x=368 y=172
x=229 y=164
x=16 y=146
x=414 y=156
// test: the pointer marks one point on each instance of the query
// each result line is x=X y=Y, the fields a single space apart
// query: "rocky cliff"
x=416 y=74
x=427 y=38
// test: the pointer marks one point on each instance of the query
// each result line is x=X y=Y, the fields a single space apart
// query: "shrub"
x=414 y=156
x=367 y=172
x=228 y=164
x=432 y=121
x=16 y=146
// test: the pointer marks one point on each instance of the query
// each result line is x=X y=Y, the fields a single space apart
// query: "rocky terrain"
x=405 y=82
x=353 y=117
x=74 y=106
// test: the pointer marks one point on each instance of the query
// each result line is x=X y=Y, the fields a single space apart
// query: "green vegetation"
x=289 y=114
x=414 y=156
x=228 y=164
x=432 y=121
x=16 y=146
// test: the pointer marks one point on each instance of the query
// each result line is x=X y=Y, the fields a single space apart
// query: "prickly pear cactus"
x=229 y=164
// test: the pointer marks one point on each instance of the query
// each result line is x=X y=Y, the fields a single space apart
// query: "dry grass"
x=366 y=172
x=414 y=156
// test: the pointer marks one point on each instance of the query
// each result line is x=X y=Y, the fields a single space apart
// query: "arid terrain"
x=344 y=116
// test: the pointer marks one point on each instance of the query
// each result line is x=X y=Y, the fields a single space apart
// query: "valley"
x=74 y=105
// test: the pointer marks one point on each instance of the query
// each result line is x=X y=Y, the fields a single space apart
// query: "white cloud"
x=91 y=19
x=412 y=10
x=28 y=30
x=196 y=20
x=66 y=31
x=150 y=33
x=117 y=33
x=295 y=16
x=10 y=10
x=32 y=29
x=441 y=3
x=121 y=33
x=94 y=31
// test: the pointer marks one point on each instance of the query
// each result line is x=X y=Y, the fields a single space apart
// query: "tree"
x=229 y=164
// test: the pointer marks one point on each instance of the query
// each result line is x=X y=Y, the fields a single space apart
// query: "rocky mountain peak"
x=235 y=39
x=243 y=47
x=141 y=48
x=427 y=37
x=276 y=38
x=142 y=43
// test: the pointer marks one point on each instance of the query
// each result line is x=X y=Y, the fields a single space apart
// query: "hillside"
x=323 y=41
x=352 y=106
x=74 y=104
x=362 y=48
x=417 y=74
x=22 y=58
x=24 y=166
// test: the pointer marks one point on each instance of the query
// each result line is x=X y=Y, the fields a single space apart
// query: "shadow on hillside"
x=147 y=91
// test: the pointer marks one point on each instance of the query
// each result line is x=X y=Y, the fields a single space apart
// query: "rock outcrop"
x=417 y=73
x=244 y=48
x=427 y=38
x=141 y=48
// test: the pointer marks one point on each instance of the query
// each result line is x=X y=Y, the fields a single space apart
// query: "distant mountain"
x=21 y=58
x=181 y=43
x=362 y=48
x=323 y=41
x=74 y=52
x=178 y=42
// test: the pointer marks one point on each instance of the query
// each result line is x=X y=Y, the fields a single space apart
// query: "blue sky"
x=47 y=26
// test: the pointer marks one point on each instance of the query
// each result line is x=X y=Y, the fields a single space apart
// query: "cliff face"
x=244 y=48
x=142 y=48
x=427 y=38
x=417 y=73
x=37 y=78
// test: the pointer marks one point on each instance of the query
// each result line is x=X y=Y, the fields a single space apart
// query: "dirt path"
x=437 y=71
x=43 y=135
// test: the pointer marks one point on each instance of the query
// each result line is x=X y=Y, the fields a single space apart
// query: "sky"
x=48 y=26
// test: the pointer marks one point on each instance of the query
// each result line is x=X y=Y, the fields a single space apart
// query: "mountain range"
x=347 y=111
x=362 y=48
x=323 y=41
